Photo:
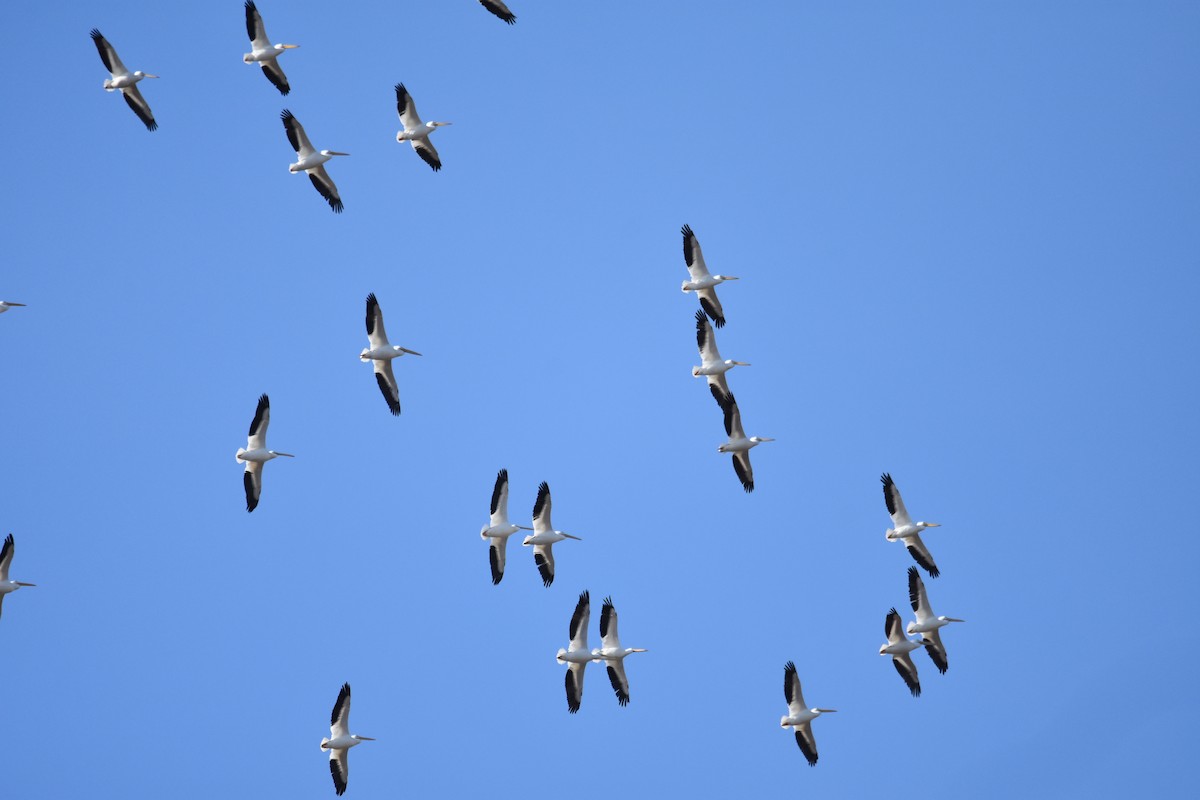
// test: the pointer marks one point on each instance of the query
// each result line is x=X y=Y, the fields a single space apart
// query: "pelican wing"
x=386 y=379
x=921 y=554
x=705 y=340
x=339 y=768
x=917 y=596
x=791 y=690
x=543 y=556
x=339 y=720
x=692 y=255
x=895 y=503
x=500 y=10
x=620 y=683
x=327 y=188
x=936 y=650
x=406 y=109
x=275 y=75
x=908 y=671
x=718 y=393
x=579 y=622
x=257 y=438
x=712 y=305
x=745 y=473
x=6 y=556
x=133 y=97
x=806 y=742
x=500 y=499
x=893 y=628
x=733 y=418
x=574 y=682
x=108 y=54
x=376 y=335
x=252 y=479
x=496 y=549
x=254 y=27
x=1 y=604
x=296 y=135
x=541 y=510
x=608 y=625
x=427 y=152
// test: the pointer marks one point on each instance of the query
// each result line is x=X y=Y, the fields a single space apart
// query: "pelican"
x=702 y=283
x=500 y=10
x=799 y=717
x=340 y=740
x=6 y=586
x=905 y=529
x=416 y=132
x=255 y=453
x=926 y=623
x=311 y=161
x=262 y=51
x=544 y=535
x=576 y=654
x=380 y=354
x=5 y=305
x=738 y=444
x=498 y=528
x=712 y=366
x=612 y=652
x=899 y=647
x=124 y=80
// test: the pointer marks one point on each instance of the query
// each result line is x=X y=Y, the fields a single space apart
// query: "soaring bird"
x=899 y=647
x=262 y=51
x=498 y=529
x=576 y=654
x=5 y=305
x=500 y=10
x=926 y=623
x=712 y=366
x=310 y=161
x=7 y=586
x=612 y=653
x=799 y=717
x=255 y=453
x=905 y=529
x=416 y=132
x=739 y=444
x=124 y=80
x=544 y=536
x=702 y=283
x=340 y=740
x=380 y=354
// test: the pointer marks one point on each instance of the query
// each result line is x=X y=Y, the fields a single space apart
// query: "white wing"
x=339 y=720
x=936 y=650
x=620 y=683
x=6 y=557
x=134 y=99
x=275 y=75
x=427 y=152
x=326 y=187
x=252 y=479
x=574 y=683
x=917 y=597
x=608 y=625
x=908 y=672
x=339 y=768
x=541 y=510
x=543 y=556
x=376 y=334
x=496 y=556
x=895 y=503
x=712 y=305
x=921 y=554
x=692 y=255
x=791 y=690
x=705 y=341
x=255 y=29
x=108 y=54
x=406 y=109
x=257 y=438
x=296 y=135
x=579 y=622
x=499 y=513
x=386 y=379
x=806 y=742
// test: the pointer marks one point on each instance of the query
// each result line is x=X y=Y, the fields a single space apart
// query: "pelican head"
x=248 y=58
x=333 y=153
x=731 y=363
x=526 y=541
x=282 y=47
x=358 y=738
x=723 y=278
x=721 y=449
x=275 y=453
x=951 y=619
x=882 y=649
x=438 y=124
x=400 y=349
x=483 y=532
x=820 y=711
x=929 y=524
x=761 y=439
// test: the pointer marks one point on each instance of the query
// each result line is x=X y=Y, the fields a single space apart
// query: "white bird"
x=6 y=557
x=738 y=443
x=702 y=283
x=544 y=536
x=5 y=305
x=712 y=366
x=500 y=10
x=310 y=161
x=926 y=623
x=612 y=653
x=416 y=132
x=498 y=529
x=263 y=52
x=576 y=654
x=340 y=740
x=799 y=717
x=255 y=453
x=905 y=529
x=380 y=354
x=899 y=648
x=124 y=80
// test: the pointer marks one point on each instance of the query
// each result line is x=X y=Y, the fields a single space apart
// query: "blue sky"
x=967 y=236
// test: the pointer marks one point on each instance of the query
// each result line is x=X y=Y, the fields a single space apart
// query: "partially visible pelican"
x=340 y=740
x=416 y=132
x=310 y=161
x=799 y=717
x=905 y=529
x=712 y=366
x=576 y=654
x=899 y=648
x=500 y=10
x=498 y=529
x=544 y=536
x=926 y=623
x=702 y=283
x=255 y=453
x=738 y=443
x=5 y=305
x=262 y=51
x=612 y=653
x=381 y=353
x=124 y=80
x=6 y=557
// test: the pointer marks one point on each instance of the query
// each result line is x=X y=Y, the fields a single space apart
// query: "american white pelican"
x=310 y=161
x=544 y=536
x=340 y=740
x=124 y=80
x=255 y=453
x=926 y=623
x=416 y=132
x=5 y=305
x=898 y=646
x=712 y=366
x=702 y=283
x=262 y=51
x=500 y=10
x=498 y=529
x=7 y=586
x=380 y=354
x=612 y=653
x=576 y=654
x=738 y=443
x=799 y=717
x=905 y=529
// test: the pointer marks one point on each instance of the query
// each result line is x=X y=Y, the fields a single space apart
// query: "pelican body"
x=6 y=556
x=255 y=453
x=900 y=648
x=380 y=353
x=576 y=654
x=612 y=653
x=121 y=78
x=262 y=52
x=926 y=623
x=712 y=366
x=498 y=529
x=702 y=282
x=799 y=717
x=739 y=444
x=310 y=160
x=416 y=132
x=340 y=740
x=544 y=536
x=904 y=529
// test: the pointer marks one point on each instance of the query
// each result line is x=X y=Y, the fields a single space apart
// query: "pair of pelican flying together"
x=6 y=556
x=255 y=454
x=340 y=740
x=799 y=718
x=577 y=656
x=498 y=529
x=124 y=80
x=905 y=529
x=5 y=305
x=381 y=353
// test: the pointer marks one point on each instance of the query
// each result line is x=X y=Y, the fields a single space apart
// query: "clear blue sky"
x=968 y=241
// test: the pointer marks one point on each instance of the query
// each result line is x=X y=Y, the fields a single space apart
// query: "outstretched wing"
x=692 y=255
x=275 y=75
x=427 y=152
x=791 y=689
x=339 y=768
x=895 y=503
x=386 y=379
x=808 y=745
x=921 y=554
x=620 y=683
x=908 y=671
x=543 y=556
x=496 y=555
x=339 y=720
x=745 y=473
x=133 y=97
x=712 y=305
x=296 y=135
x=936 y=650
x=254 y=27
x=500 y=10
x=252 y=480
x=326 y=187
x=257 y=437
x=574 y=682
x=579 y=621
x=499 y=513
x=108 y=54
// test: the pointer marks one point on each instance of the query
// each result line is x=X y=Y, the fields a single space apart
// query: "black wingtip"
x=96 y=35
